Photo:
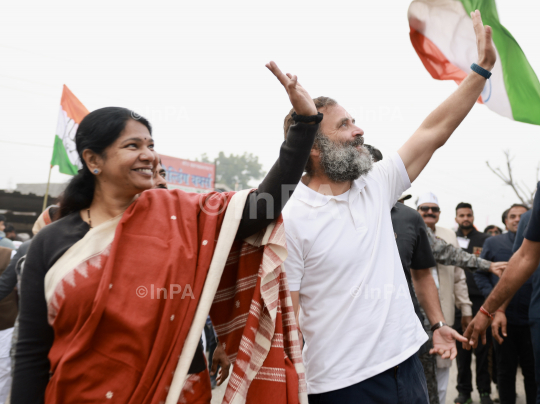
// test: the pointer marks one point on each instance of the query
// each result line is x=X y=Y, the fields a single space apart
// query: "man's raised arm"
x=441 y=123
x=520 y=268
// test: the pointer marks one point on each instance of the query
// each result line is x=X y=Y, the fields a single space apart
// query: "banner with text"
x=189 y=176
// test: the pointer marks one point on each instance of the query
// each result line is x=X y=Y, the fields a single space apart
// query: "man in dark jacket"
x=472 y=241
x=534 y=307
x=517 y=347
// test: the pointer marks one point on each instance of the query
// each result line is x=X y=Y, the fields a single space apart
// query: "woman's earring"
x=96 y=171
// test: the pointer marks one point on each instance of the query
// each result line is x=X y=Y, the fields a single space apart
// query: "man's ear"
x=456 y=220
x=315 y=152
x=93 y=160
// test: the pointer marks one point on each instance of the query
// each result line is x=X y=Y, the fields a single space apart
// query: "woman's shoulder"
x=67 y=228
x=53 y=240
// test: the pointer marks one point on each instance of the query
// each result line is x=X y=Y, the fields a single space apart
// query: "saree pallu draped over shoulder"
x=253 y=317
x=123 y=299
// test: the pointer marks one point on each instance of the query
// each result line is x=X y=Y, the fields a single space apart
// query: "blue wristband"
x=481 y=71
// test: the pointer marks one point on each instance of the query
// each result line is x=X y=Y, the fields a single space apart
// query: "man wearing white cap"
x=451 y=281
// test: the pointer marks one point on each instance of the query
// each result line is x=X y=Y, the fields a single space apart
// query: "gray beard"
x=343 y=162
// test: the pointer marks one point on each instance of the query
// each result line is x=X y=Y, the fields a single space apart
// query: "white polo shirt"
x=356 y=314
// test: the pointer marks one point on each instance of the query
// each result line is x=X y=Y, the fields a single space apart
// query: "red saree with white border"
x=123 y=300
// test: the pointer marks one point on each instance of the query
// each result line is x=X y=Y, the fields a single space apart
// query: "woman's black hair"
x=97 y=131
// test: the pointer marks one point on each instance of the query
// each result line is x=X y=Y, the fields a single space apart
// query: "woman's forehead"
x=135 y=129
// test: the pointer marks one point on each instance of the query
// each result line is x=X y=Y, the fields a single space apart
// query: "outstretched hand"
x=498 y=268
x=486 y=50
x=301 y=102
x=475 y=331
x=444 y=342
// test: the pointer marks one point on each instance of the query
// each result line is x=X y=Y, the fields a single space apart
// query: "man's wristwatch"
x=438 y=325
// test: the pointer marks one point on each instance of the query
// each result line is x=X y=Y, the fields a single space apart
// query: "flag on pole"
x=72 y=112
x=442 y=34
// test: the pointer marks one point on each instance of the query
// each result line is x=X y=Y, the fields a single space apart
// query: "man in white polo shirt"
x=343 y=266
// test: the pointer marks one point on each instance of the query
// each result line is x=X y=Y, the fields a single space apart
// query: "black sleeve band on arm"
x=307 y=119
x=266 y=203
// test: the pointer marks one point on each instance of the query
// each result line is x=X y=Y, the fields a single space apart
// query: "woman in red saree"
x=111 y=291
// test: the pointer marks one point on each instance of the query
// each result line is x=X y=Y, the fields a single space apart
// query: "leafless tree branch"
x=508 y=179
x=498 y=173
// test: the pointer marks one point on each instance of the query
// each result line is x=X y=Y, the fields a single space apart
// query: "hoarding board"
x=189 y=176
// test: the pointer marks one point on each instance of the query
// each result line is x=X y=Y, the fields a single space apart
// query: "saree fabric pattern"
x=254 y=319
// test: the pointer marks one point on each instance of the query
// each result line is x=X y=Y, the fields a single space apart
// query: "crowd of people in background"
x=497 y=360
x=8 y=236
x=462 y=290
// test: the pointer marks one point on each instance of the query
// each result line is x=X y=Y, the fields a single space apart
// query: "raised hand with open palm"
x=487 y=55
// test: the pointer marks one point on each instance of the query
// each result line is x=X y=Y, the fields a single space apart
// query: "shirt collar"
x=471 y=233
x=357 y=187
x=315 y=199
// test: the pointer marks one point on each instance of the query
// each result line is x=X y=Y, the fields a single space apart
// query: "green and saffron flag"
x=442 y=34
x=72 y=112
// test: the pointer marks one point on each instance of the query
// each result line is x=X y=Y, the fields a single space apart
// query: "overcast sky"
x=196 y=71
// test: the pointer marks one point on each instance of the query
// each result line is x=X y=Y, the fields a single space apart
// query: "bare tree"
x=523 y=192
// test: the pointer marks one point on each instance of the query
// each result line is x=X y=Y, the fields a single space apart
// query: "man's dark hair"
x=505 y=215
x=375 y=153
x=519 y=205
x=3 y=218
x=9 y=229
x=491 y=227
x=463 y=205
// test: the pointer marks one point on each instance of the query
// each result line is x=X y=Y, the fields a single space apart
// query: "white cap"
x=428 y=197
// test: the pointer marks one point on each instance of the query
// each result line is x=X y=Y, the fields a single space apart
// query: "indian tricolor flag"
x=442 y=34
x=72 y=112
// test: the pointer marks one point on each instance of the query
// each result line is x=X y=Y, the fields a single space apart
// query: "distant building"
x=23 y=205
x=39 y=189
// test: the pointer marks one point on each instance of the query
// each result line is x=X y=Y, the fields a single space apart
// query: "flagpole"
x=47 y=190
